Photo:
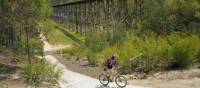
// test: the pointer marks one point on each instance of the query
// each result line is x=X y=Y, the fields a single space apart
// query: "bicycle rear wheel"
x=104 y=80
x=121 y=81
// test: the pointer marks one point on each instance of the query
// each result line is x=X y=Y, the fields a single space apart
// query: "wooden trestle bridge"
x=87 y=16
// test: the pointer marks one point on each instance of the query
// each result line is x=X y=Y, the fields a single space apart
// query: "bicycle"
x=120 y=80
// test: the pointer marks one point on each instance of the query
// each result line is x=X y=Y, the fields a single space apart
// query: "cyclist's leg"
x=112 y=72
x=109 y=73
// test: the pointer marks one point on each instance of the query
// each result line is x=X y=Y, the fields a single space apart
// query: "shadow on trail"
x=102 y=86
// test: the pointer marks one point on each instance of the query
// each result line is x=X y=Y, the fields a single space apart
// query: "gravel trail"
x=70 y=79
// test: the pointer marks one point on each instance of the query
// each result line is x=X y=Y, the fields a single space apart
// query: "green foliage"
x=53 y=34
x=45 y=8
x=96 y=42
x=78 y=36
x=19 y=25
x=127 y=51
x=58 y=2
x=75 y=51
x=198 y=56
x=166 y=16
x=154 y=52
x=119 y=35
x=108 y=51
x=41 y=71
x=154 y=17
x=166 y=37
x=71 y=50
x=36 y=46
x=92 y=57
x=174 y=51
x=184 y=52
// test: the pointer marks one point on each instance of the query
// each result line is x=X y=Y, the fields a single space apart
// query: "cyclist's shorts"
x=109 y=66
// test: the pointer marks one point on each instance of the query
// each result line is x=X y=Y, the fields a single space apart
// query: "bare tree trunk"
x=28 y=45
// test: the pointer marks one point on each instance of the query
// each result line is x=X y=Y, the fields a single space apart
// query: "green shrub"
x=174 y=51
x=198 y=56
x=163 y=53
x=184 y=52
x=92 y=57
x=39 y=72
x=96 y=42
x=155 y=53
x=127 y=51
x=36 y=46
x=80 y=51
x=151 y=48
x=76 y=51
x=166 y=16
x=71 y=50
x=109 y=51
x=118 y=35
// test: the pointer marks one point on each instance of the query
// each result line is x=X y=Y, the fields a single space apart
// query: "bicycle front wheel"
x=104 y=80
x=121 y=81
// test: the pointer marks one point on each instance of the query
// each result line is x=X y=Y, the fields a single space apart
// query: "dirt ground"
x=169 y=79
x=18 y=83
x=177 y=83
x=10 y=73
x=81 y=67
x=11 y=84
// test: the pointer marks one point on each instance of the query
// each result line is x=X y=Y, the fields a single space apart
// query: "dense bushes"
x=166 y=16
x=96 y=41
x=92 y=57
x=36 y=46
x=39 y=72
x=198 y=56
x=174 y=51
x=184 y=52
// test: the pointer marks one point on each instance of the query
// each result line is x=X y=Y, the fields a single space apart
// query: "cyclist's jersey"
x=110 y=63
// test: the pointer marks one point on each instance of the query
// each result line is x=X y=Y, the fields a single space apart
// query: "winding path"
x=71 y=79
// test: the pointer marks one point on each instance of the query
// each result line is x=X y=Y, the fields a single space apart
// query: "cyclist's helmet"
x=114 y=56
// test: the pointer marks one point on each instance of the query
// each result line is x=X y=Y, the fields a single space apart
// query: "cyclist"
x=111 y=65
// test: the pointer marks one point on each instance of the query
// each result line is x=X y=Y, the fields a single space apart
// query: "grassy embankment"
x=53 y=33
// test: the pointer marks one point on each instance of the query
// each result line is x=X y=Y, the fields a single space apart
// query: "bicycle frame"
x=114 y=75
x=114 y=78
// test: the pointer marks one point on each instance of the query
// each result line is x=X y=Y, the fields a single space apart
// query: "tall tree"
x=19 y=19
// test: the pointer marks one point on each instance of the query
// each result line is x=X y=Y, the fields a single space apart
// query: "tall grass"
x=174 y=51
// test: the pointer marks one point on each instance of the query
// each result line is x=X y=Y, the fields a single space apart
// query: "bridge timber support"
x=89 y=16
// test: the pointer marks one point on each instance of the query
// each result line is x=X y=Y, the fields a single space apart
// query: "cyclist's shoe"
x=110 y=80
